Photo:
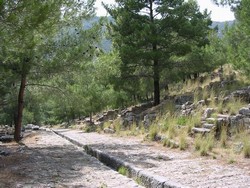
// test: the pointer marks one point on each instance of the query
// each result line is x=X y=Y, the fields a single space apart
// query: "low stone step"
x=212 y=120
x=223 y=116
x=208 y=126
x=200 y=130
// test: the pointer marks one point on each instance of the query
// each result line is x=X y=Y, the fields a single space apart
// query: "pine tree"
x=148 y=33
x=39 y=38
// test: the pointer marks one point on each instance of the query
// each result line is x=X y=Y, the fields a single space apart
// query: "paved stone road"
x=47 y=160
x=175 y=166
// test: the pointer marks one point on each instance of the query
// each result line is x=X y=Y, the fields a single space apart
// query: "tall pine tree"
x=148 y=33
x=39 y=38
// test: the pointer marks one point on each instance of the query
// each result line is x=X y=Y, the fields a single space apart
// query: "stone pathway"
x=47 y=160
x=164 y=164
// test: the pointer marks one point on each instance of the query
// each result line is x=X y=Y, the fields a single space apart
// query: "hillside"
x=221 y=26
x=210 y=117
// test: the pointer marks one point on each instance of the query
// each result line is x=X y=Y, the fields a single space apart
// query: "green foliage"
x=39 y=41
x=123 y=171
x=150 y=45
x=182 y=120
x=236 y=40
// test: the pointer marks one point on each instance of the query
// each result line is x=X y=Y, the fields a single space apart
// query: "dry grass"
x=183 y=143
x=204 y=144
x=246 y=145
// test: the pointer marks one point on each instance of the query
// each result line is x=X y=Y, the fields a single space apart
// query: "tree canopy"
x=148 y=34
x=40 y=39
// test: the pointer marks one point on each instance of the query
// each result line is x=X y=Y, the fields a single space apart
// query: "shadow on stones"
x=45 y=166
x=146 y=159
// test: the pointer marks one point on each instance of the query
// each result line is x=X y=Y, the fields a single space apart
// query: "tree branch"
x=49 y=86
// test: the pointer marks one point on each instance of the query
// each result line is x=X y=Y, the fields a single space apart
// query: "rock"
x=211 y=120
x=200 y=130
x=235 y=121
x=100 y=119
x=243 y=94
x=238 y=147
x=108 y=131
x=183 y=99
x=29 y=126
x=7 y=138
x=244 y=111
x=223 y=116
x=208 y=112
x=208 y=126
x=111 y=115
x=246 y=121
x=225 y=100
x=35 y=127
x=201 y=102
x=4 y=153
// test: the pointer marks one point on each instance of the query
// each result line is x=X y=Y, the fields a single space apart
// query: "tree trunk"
x=155 y=60
x=156 y=83
x=18 y=121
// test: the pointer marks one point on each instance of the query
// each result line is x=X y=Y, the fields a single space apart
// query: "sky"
x=218 y=13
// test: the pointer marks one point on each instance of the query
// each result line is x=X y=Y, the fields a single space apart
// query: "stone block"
x=200 y=130
x=208 y=126
x=244 y=111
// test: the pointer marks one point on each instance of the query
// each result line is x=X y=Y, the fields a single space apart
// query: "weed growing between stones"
x=123 y=171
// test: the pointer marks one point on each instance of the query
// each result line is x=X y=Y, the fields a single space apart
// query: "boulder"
x=200 y=130
x=244 y=111
x=7 y=138
x=108 y=131
x=208 y=126
x=183 y=99
x=208 y=112
x=243 y=94
x=35 y=127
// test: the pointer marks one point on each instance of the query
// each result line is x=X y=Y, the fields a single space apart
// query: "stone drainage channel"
x=140 y=176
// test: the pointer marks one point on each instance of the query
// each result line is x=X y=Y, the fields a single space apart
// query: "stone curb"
x=144 y=177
